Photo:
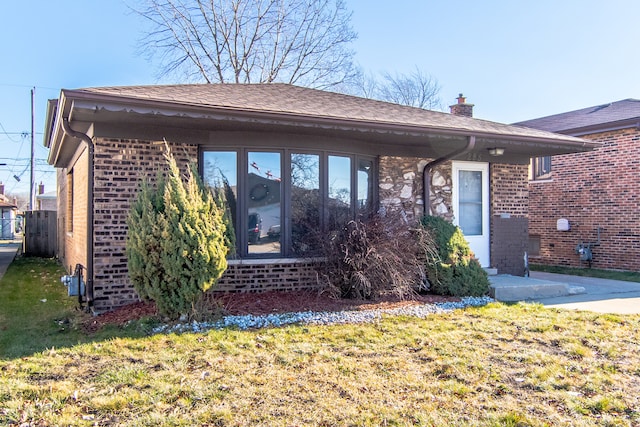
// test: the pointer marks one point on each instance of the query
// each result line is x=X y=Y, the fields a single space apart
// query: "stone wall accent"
x=401 y=187
x=593 y=189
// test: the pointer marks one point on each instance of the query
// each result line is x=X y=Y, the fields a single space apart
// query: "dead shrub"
x=381 y=256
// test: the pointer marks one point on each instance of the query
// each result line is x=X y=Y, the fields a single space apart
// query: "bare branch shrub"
x=382 y=256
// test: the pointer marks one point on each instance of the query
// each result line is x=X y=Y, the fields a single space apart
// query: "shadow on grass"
x=36 y=314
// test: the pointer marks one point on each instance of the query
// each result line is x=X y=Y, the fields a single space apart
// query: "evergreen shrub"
x=176 y=242
x=452 y=269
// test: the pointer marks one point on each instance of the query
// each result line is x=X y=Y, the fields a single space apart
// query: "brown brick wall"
x=119 y=166
x=75 y=240
x=509 y=190
x=509 y=211
x=591 y=190
x=268 y=275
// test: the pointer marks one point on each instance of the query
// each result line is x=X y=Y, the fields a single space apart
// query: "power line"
x=4 y=131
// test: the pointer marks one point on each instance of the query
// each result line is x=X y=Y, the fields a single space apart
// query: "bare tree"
x=304 y=42
x=415 y=89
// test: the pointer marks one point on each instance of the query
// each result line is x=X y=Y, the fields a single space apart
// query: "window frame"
x=70 y=202
x=537 y=170
x=242 y=193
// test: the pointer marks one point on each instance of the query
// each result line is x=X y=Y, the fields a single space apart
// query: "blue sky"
x=514 y=60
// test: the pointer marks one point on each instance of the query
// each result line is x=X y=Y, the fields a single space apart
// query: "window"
x=289 y=199
x=264 y=204
x=540 y=168
x=305 y=203
x=220 y=172
x=70 y=202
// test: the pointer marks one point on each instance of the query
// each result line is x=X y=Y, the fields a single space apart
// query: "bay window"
x=287 y=201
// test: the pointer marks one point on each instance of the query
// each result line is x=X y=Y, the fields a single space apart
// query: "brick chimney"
x=41 y=188
x=1 y=188
x=462 y=108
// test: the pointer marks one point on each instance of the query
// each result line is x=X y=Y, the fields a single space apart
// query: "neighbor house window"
x=287 y=201
x=540 y=168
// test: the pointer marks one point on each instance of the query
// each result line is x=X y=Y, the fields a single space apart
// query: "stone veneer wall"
x=401 y=187
x=594 y=189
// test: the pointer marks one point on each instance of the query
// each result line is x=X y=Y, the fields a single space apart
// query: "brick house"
x=276 y=146
x=593 y=196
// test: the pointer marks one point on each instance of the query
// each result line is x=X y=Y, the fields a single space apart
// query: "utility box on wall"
x=562 y=224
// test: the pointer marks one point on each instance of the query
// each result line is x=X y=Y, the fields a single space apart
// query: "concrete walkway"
x=8 y=251
x=600 y=295
x=569 y=292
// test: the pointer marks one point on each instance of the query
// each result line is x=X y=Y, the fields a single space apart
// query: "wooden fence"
x=40 y=235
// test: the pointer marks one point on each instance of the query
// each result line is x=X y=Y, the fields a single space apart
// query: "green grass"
x=35 y=312
x=629 y=276
x=499 y=365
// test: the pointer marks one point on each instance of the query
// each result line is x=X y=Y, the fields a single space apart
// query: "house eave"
x=92 y=107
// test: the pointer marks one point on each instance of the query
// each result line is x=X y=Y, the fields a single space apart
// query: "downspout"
x=84 y=137
x=426 y=171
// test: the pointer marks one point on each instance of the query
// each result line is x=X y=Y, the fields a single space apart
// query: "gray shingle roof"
x=589 y=119
x=295 y=101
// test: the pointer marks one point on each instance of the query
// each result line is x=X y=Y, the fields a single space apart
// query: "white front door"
x=471 y=206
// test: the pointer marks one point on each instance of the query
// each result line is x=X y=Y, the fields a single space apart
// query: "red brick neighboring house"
x=595 y=196
x=283 y=149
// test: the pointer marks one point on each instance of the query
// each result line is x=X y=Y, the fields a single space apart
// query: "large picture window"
x=285 y=201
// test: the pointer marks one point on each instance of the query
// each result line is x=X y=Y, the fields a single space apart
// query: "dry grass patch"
x=500 y=365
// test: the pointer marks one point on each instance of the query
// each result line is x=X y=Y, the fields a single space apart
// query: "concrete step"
x=491 y=271
x=509 y=288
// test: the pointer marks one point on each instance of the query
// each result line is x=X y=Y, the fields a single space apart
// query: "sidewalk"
x=600 y=295
x=8 y=251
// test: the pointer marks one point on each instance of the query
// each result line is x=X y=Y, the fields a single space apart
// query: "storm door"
x=471 y=206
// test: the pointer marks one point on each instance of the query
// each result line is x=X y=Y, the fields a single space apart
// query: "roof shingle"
x=599 y=115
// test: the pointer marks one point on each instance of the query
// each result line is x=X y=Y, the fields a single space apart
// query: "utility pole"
x=32 y=201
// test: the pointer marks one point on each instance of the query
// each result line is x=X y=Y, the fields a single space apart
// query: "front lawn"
x=499 y=365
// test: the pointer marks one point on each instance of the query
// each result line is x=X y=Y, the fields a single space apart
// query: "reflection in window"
x=264 y=202
x=220 y=172
x=365 y=187
x=470 y=202
x=305 y=203
x=339 y=206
